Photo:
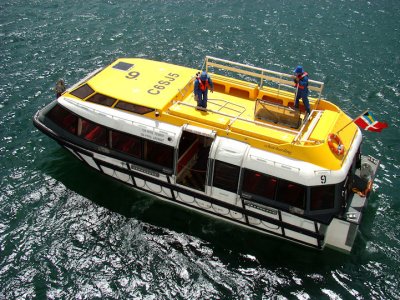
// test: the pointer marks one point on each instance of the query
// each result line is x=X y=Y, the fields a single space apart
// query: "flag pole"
x=337 y=132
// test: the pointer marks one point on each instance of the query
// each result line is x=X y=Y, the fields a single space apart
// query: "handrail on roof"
x=225 y=105
x=281 y=79
x=259 y=73
x=237 y=117
x=315 y=115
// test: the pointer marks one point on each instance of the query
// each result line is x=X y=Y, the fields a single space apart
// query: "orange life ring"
x=364 y=193
x=335 y=144
x=368 y=188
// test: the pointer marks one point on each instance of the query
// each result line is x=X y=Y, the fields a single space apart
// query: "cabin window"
x=126 y=143
x=291 y=194
x=322 y=197
x=93 y=132
x=259 y=184
x=64 y=118
x=83 y=91
x=101 y=99
x=159 y=154
x=226 y=176
x=138 y=109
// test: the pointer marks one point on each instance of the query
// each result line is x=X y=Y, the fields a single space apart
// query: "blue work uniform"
x=201 y=86
x=302 y=91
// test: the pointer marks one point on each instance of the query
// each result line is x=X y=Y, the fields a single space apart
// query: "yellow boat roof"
x=143 y=82
x=257 y=114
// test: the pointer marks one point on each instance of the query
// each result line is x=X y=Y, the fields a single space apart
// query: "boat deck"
x=228 y=113
x=255 y=118
x=255 y=106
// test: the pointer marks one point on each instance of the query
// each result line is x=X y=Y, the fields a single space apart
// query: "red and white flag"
x=367 y=122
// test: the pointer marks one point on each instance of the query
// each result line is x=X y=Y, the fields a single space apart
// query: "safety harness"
x=300 y=77
x=203 y=85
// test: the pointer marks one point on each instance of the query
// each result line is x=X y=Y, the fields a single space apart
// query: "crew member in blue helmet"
x=301 y=84
x=201 y=85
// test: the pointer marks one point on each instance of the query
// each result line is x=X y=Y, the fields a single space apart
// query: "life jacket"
x=300 y=77
x=203 y=85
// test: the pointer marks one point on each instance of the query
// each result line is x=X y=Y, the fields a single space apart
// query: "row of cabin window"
x=226 y=176
x=269 y=190
x=137 y=147
x=84 y=91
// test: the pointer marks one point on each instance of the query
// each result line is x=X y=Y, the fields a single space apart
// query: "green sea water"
x=67 y=232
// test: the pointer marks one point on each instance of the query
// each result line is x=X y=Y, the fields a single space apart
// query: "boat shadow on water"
x=229 y=242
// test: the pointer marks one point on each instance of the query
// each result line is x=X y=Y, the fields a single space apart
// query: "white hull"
x=275 y=222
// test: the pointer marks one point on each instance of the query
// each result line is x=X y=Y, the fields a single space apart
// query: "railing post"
x=262 y=79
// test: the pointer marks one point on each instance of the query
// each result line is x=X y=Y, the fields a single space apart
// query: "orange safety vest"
x=203 y=85
x=299 y=77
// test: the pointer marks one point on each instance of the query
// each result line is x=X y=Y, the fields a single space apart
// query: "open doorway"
x=193 y=153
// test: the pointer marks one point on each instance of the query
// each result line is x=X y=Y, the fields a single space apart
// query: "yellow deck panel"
x=226 y=104
x=261 y=132
x=190 y=113
x=325 y=125
x=224 y=109
x=148 y=83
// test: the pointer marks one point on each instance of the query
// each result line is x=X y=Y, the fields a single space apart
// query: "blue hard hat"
x=204 y=75
x=299 y=69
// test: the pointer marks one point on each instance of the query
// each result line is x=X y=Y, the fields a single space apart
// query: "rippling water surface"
x=68 y=232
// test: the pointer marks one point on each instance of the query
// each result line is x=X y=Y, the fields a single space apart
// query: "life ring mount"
x=335 y=144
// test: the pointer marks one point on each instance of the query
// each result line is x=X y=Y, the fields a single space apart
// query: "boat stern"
x=342 y=231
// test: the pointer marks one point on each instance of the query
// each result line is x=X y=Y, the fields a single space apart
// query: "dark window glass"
x=187 y=140
x=226 y=176
x=291 y=193
x=159 y=154
x=63 y=118
x=138 y=109
x=83 y=91
x=259 y=184
x=322 y=197
x=126 y=143
x=93 y=132
x=101 y=99
x=123 y=66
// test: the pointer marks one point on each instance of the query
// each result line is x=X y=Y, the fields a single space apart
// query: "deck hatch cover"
x=123 y=66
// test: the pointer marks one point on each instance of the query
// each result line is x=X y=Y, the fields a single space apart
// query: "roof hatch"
x=123 y=66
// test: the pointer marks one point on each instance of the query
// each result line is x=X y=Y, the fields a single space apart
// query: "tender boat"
x=250 y=158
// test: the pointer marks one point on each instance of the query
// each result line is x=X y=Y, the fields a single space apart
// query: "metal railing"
x=263 y=76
